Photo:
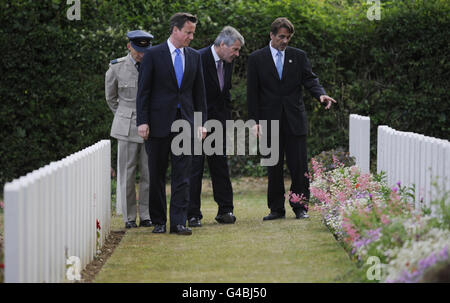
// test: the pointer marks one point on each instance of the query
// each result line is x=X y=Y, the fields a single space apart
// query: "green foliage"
x=52 y=83
x=395 y=70
x=332 y=159
x=441 y=203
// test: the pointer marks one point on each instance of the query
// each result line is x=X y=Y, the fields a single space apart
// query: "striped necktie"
x=220 y=73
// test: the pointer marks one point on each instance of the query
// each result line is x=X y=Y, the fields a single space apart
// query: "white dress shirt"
x=274 y=52
x=215 y=55
x=173 y=53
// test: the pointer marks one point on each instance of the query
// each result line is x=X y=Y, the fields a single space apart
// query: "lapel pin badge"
x=290 y=61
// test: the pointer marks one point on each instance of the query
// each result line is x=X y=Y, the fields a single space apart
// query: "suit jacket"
x=120 y=92
x=218 y=102
x=158 y=93
x=267 y=95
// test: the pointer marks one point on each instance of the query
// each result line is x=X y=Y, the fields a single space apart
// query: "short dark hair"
x=179 y=19
x=279 y=23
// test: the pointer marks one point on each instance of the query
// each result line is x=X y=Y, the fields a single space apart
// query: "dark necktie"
x=138 y=64
x=220 y=73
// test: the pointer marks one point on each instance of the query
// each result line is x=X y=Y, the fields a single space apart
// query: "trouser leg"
x=126 y=176
x=275 y=188
x=296 y=159
x=158 y=158
x=221 y=183
x=195 y=185
x=144 y=184
x=179 y=199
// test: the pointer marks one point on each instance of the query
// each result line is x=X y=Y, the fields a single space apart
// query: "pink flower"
x=364 y=181
x=295 y=198
x=385 y=219
x=320 y=194
x=341 y=196
x=317 y=168
x=2 y=205
x=288 y=195
x=309 y=176
x=98 y=225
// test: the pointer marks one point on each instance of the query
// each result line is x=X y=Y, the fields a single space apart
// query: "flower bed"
x=372 y=220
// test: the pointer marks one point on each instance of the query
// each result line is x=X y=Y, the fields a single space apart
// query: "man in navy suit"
x=275 y=77
x=217 y=60
x=170 y=87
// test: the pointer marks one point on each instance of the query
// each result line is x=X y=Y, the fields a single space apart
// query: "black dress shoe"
x=159 y=229
x=273 y=216
x=130 y=224
x=194 y=222
x=145 y=223
x=300 y=214
x=227 y=218
x=181 y=230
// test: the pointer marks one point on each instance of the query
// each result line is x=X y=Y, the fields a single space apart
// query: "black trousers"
x=159 y=150
x=221 y=183
x=294 y=147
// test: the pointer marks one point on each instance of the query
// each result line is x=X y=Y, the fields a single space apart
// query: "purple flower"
x=372 y=235
x=414 y=276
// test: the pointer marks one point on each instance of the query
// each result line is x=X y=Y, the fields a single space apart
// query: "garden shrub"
x=375 y=222
x=395 y=70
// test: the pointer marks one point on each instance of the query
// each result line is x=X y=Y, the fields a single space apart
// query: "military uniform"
x=120 y=90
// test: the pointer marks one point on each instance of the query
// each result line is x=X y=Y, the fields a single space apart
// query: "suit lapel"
x=271 y=64
x=212 y=67
x=227 y=73
x=288 y=63
x=187 y=65
x=167 y=57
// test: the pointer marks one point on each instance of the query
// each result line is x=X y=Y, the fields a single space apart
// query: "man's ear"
x=129 y=46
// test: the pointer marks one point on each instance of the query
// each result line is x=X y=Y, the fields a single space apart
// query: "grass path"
x=250 y=250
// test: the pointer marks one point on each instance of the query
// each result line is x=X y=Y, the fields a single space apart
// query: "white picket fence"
x=359 y=141
x=51 y=215
x=412 y=158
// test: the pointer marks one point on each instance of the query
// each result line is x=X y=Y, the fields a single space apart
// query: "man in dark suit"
x=170 y=87
x=217 y=63
x=275 y=76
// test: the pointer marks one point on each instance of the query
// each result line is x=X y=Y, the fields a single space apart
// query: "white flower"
x=407 y=257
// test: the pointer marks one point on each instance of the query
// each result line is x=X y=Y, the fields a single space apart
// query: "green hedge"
x=395 y=70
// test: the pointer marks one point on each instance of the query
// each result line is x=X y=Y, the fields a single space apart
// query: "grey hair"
x=229 y=35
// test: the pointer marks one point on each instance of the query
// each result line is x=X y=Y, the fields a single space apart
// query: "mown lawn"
x=250 y=250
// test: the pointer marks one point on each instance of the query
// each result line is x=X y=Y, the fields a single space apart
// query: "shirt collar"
x=172 y=48
x=215 y=55
x=274 y=51
x=131 y=58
